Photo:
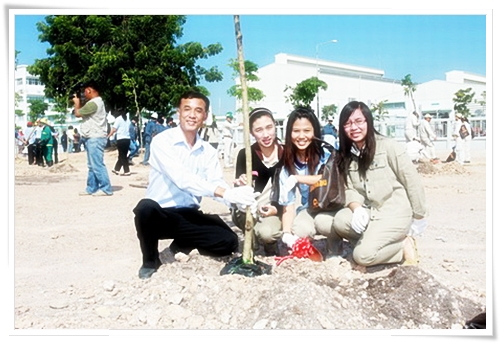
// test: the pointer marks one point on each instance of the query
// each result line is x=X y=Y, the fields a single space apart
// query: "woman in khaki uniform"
x=385 y=201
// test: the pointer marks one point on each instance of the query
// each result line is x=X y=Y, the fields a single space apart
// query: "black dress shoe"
x=145 y=273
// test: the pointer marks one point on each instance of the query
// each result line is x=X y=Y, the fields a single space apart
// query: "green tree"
x=104 y=48
x=250 y=69
x=37 y=109
x=379 y=110
x=17 y=97
x=409 y=88
x=462 y=99
x=328 y=112
x=62 y=113
x=305 y=91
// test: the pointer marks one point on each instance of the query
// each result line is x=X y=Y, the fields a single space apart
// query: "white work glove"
x=417 y=227
x=289 y=183
x=243 y=196
x=360 y=219
x=253 y=208
x=289 y=239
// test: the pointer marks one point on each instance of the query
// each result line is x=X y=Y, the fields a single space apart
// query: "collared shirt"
x=38 y=132
x=392 y=187
x=180 y=175
x=30 y=135
x=426 y=133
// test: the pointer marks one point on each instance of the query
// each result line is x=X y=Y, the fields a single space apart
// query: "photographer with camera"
x=93 y=131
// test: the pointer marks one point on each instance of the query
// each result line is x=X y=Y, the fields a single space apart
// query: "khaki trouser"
x=306 y=224
x=380 y=243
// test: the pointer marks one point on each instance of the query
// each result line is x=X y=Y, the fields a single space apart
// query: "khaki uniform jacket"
x=392 y=187
x=426 y=134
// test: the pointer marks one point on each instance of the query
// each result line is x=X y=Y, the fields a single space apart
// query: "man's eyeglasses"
x=357 y=123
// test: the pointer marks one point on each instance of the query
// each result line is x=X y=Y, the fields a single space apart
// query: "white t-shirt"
x=122 y=128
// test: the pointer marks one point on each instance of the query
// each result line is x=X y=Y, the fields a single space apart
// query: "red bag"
x=302 y=248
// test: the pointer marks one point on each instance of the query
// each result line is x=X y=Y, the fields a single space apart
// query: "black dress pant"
x=31 y=153
x=122 y=146
x=190 y=229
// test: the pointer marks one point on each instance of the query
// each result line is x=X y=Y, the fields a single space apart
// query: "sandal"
x=416 y=259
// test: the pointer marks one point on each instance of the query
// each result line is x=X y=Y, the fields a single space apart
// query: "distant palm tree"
x=409 y=88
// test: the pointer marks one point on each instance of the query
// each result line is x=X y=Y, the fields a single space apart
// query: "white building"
x=29 y=87
x=349 y=82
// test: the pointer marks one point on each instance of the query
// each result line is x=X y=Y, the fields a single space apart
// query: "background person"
x=459 y=141
x=148 y=136
x=329 y=133
x=185 y=168
x=38 y=147
x=133 y=150
x=94 y=130
x=227 y=138
x=70 y=132
x=64 y=140
x=266 y=153
x=30 y=138
x=384 y=194
x=427 y=138
x=411 y=127
x=47 y=142
x=121 y=127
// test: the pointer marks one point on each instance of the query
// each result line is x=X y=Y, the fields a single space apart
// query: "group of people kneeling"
x=384 y=197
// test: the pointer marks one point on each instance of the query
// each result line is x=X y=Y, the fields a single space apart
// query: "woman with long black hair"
x=385 y=201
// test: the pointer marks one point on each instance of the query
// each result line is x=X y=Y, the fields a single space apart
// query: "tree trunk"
x=248 y=244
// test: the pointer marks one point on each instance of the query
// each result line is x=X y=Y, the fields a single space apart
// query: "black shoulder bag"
x=328 y=194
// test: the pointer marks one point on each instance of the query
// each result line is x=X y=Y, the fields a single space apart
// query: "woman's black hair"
x=367 y=153
x=313 y=152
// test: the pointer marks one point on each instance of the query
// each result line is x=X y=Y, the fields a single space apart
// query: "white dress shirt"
x=180 y=175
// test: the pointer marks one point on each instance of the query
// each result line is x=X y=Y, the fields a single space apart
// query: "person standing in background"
x=55 y=143
x=70 y=132
x=411 y=127
x=427 y=138
x=133 y=149
x=329 y=134
x=227 y=138
x=76 y=140
x=47 y=142
x=38 y=147
x=30 y=136
x=64 y=141
x=121 y=127
x=148 y=136
x=94 y=130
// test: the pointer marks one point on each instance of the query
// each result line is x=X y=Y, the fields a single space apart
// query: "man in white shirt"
x=185 y=168
x=427 y=138
x=227 y=138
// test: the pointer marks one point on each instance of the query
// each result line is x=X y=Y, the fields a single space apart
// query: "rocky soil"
x=76 y=261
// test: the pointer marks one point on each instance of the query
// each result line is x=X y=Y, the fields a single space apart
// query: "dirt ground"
x=75 y=264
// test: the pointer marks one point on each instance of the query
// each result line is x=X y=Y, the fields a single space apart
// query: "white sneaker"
x=100 y=193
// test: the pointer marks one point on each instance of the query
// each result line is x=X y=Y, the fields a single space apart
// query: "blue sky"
x=425 y=46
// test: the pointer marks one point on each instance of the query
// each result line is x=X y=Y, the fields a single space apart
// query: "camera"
x=80 y=93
